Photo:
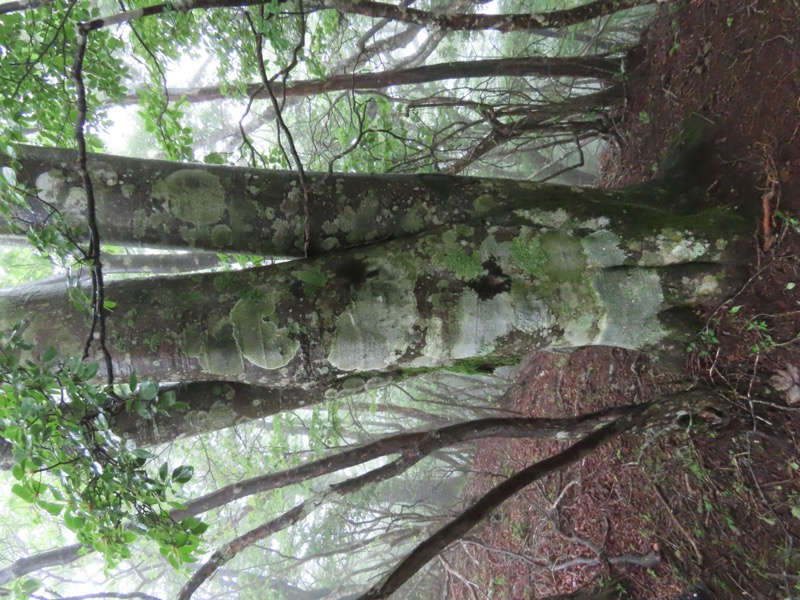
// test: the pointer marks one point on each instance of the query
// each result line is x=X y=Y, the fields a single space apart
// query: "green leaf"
x=183 y=474
x=214 y=158
x=148 y=390
x=87 y=370
x=29 y=586
x=23 y=492
x=49 y=354
x=142 y=411
x=54 y=508
x=133 y=381
x=128 y=537
x=194 y=525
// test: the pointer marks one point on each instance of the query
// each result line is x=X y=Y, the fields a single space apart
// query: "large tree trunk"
x=252 y=211
x=518 y=267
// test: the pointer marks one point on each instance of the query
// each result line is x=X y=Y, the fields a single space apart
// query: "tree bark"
x=478 y=22
x=481 y=269
x=584 y=67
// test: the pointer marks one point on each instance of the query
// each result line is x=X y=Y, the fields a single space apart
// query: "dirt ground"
x=664 y=513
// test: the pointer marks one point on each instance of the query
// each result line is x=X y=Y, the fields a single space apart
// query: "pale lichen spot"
x=192 y=195
x=631 y=299
x=261 y=341
x=595 y=223
x=679 y=247
x=104 y=173
x=545 y=218
x=481 y=323
x=376 y=328
x=707 y=286
x=214 y=347
x=353 y=384
x=602 y=249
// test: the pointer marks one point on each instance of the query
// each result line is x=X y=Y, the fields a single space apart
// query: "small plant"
x=644 y=117
x=705 y=342
x=764 y=340
x=790 y=221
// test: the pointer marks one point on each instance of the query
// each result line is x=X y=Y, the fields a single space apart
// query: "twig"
x=277 y=107
x=98 y=291
x=678 y=525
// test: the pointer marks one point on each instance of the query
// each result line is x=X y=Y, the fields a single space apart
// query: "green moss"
x=221 y=236
x=454 y=256
x=232 y=283
x=479 y=365
x=464 y=265
x=190 y=299
x=527 y=254
x=139 y=223
x=313 y=280
x=154 y=342
x=484 y=203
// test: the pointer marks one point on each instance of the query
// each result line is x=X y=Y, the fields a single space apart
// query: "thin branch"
x=98 y=291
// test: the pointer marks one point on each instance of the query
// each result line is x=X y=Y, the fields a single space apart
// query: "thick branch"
x=457 y=528
x=379 y=10
x=478 y=22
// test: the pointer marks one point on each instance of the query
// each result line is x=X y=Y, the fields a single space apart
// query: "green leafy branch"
x=69 y=462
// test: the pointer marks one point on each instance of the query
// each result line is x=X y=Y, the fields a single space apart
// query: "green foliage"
x=705 y=342
x=69 y=463
x=325 y=430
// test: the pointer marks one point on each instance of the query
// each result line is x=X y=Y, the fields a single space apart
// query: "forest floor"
x=721 y=507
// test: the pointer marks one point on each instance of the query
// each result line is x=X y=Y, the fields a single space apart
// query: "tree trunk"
x=516 y=267
x=538 y=66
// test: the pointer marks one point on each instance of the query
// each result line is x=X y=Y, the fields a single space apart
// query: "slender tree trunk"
x=585 y=67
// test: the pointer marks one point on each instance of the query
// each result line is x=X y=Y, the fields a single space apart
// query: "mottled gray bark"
x=252 y=211
x=500 y=286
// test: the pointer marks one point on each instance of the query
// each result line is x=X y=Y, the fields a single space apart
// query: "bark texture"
x=539 y=66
